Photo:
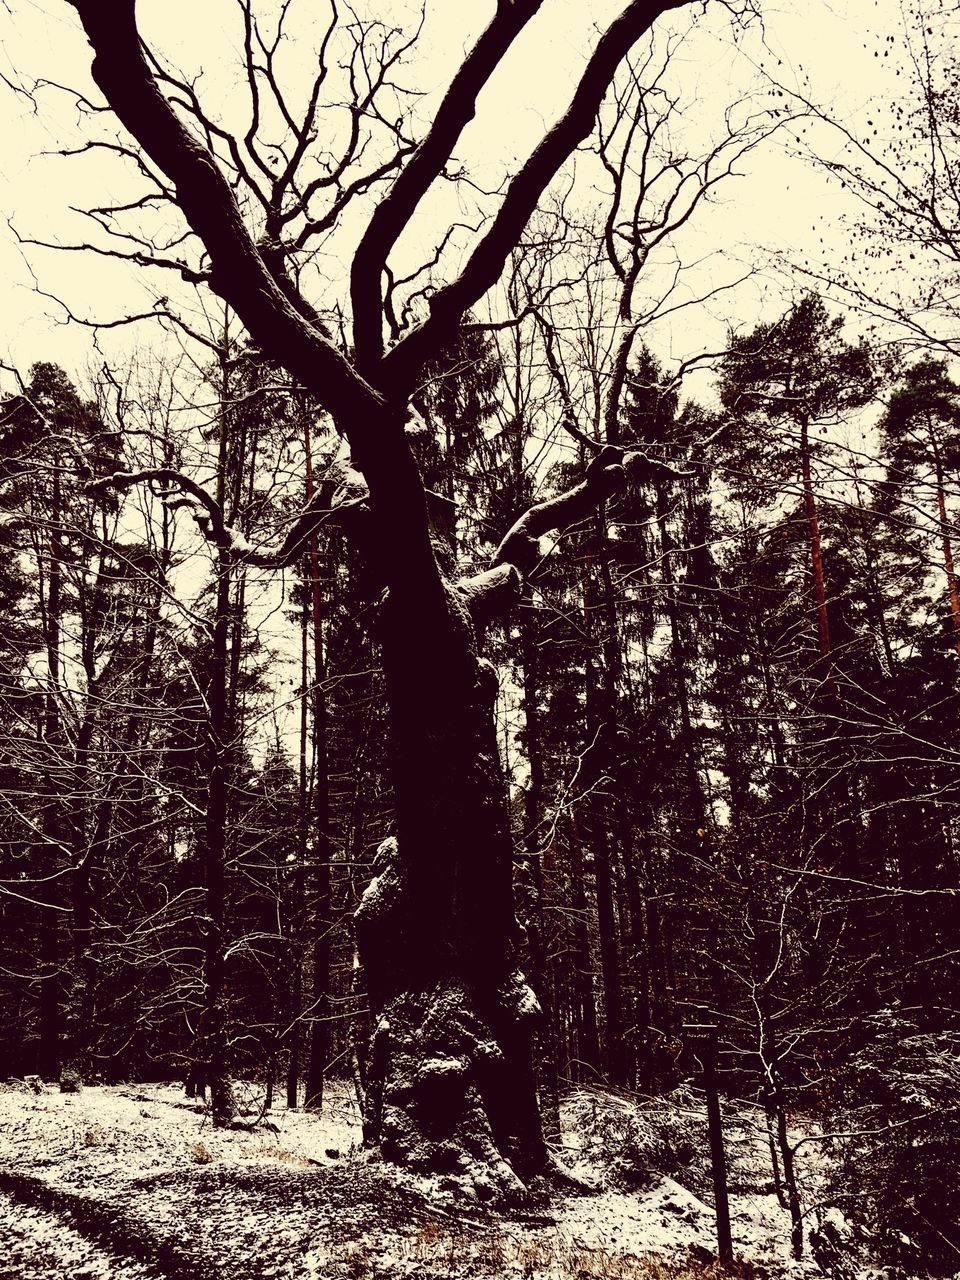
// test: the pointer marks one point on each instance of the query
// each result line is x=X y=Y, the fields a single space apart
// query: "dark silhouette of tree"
x=789 y=378
x=922 y=441
x=450 y=1081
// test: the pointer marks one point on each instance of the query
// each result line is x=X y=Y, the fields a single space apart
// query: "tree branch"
x=395 y=210
x=238 y=271
x=486 y=262
x=605 y=475
x=181 y=491
x=491 y=593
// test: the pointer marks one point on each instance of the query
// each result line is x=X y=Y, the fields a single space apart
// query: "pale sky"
x=780 y=203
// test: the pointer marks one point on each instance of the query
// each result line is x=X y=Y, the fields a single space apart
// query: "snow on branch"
x=606 y=474
x=177 y=490
x=491 y=593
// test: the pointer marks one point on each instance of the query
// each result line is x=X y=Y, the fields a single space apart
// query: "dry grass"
x=356 y=1262
x=494 y=1254
x=274 y=1152
x=199 y=1153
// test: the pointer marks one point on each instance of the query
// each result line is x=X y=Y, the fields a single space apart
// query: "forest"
x=479 y=642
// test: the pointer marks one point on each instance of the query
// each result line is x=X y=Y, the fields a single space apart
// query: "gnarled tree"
x=451 y=1085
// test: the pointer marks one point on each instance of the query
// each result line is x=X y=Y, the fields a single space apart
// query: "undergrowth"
x=438 y=1250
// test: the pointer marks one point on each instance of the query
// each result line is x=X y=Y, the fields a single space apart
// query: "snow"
x=131 y=1182
x=644 y=1211
x=517 y=995
x=122 y=1160
x=37 y=1243
x=131 y=1131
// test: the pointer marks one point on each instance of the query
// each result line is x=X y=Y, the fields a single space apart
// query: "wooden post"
x=703 y=1043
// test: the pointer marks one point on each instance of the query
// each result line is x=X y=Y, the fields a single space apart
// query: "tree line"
x=728 y=711
x=410 y=679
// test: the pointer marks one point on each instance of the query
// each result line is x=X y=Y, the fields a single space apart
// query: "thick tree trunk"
x=450 y=1083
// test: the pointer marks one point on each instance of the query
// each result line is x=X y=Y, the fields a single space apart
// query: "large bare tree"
x=450 y=1082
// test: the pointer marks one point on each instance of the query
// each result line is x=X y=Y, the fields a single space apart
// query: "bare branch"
x=238 y=271
x=395 y=210
x=489 y=257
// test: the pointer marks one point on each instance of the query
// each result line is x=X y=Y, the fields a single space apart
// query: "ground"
x=131 y=1182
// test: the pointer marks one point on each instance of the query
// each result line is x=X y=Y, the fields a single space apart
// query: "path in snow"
x=40 y=1244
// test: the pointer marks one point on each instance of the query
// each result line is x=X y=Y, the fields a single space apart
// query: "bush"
x=899 y=1098
x=631 y=1144
x=70 y=1080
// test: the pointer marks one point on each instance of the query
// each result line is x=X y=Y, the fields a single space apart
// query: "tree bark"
x=450 y=1079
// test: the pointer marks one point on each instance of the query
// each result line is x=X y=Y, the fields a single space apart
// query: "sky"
x=781 y=203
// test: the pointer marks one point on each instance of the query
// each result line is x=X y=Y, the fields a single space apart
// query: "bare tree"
x=895 y=158
x=451 y=1084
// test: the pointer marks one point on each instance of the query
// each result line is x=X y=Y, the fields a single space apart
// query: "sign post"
x=702 y=1038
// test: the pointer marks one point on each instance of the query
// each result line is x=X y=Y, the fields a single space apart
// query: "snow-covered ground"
x=131 y=1182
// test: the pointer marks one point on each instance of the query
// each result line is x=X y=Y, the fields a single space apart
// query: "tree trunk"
x=598 y=771
x=816 y=549
x=450 y=1078
x=49 y=860
x=217 y=745
x=681 y=666
x=787 y=1162
x=321 y=922
x=214 y=1038
x=86 y=843
x=587 y=1039
x=641 y=1010
x=534 y=879
x=294 y=910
